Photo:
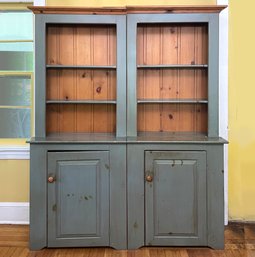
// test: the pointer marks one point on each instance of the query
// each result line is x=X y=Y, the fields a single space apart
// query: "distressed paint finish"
x=133 y=205
x=175 y=200
x=208 y=174
x=116 y=185
x=78 y=199
x=38 y=197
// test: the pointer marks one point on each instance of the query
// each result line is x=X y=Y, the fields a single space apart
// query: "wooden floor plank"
x=239 y=242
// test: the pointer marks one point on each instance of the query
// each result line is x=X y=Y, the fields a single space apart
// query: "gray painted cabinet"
x=126 y=150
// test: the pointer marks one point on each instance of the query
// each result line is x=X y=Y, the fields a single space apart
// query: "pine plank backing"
x=172 y=44
x=81 y=45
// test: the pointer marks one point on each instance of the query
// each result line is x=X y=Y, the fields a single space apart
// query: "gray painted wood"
x=135 y=197
x=118 y=196
x=38 y=197
x=78 y=199
x=213 y=186
x=213 y=76
x=175 y=201
x=131 y=77
x=215 y=196
x=125 y=191
x=117 y=190
x=121 y=116
x=40 y=76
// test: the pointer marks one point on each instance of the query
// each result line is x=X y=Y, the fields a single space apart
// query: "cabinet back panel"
x=97 y=118
x=81 y=84
x=81 y=45
x=172 y=44
x=172 y=84
x=172 y=118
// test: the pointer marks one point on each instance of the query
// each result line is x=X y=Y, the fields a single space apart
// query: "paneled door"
x=78 y=198
x=175 y=198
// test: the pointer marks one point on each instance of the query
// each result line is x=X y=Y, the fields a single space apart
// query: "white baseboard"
x=14 y=213
x=12 y=152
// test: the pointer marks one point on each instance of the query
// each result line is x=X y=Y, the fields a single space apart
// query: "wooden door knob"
x=51 y=179
x=149 y=178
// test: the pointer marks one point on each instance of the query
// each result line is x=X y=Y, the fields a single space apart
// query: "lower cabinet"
x=126 y=195
x=78 y=198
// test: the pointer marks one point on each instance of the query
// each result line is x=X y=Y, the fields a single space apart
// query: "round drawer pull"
x=51 y=179
x=149 y=178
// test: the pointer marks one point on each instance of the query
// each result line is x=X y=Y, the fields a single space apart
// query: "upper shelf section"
x=128 y=9
x=81 y=46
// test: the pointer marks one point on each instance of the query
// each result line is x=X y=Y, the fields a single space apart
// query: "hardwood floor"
x=239 y=242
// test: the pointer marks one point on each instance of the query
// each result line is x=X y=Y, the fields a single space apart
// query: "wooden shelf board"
x=142 y=138
x=49 y=66
x=79 y=138
x=175 y=66
x=174 y=101
x=81 y=102
x=175 y=137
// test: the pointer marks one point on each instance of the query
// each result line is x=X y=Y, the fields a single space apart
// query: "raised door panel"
x=78 y=199
x=175 y=199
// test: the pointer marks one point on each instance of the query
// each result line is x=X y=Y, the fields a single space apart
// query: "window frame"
x=18 y=73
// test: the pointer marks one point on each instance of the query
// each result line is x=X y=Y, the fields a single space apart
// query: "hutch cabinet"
x=126 y=150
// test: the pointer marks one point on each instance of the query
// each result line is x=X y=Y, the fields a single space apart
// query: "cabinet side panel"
x=38 y=197
x=215 y=196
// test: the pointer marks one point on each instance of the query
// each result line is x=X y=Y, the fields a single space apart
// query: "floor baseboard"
x=14 y=213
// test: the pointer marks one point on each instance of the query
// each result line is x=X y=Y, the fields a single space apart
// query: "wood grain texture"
x=128 y=9
x=172 y=45
x=14 y=243
x=81 y=45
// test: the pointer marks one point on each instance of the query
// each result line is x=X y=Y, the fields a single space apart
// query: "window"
x=16 y=72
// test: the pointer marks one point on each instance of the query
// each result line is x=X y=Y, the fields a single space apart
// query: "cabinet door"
x=78 y=199
x=175 y=198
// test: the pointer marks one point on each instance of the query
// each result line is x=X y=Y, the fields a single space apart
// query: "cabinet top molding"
x=128 y=9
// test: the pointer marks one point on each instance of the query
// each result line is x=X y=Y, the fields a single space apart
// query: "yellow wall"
x=14 y=180
x=14 y=174
x=241 y=108
x=127 y=2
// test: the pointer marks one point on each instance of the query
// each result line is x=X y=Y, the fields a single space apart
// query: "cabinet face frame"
x=41 y=22
x=213 y=63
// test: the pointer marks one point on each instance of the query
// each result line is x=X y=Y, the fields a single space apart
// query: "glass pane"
x=15 y=123
x=15 y=91
x=16 y=25
x=16 y=56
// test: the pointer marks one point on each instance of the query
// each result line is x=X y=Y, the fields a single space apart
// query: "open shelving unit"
x=172 y=62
